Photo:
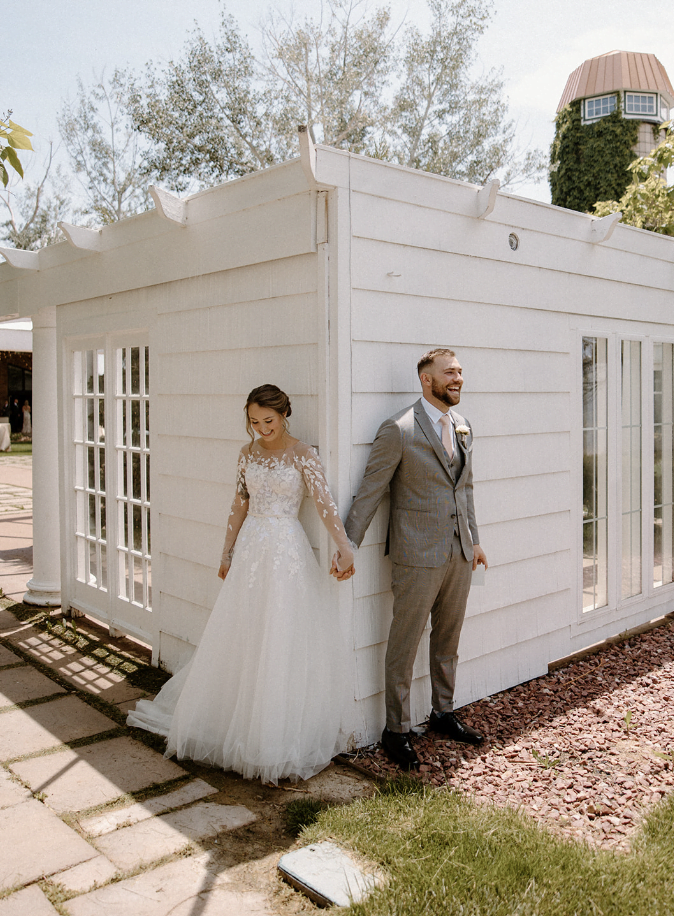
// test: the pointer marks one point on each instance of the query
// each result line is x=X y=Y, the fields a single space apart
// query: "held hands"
x=341 y=574
x=479 y=556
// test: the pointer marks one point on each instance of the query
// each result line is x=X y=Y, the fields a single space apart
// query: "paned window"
x=631 y=467
x=599 y=107
x=90 y=491
x=663 y=464
x=639 y=104
x=595 y=476
x=132 y=399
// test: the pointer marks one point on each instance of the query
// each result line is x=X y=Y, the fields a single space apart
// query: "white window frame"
x=641 y=115
x=122 y=616
x=590 y=119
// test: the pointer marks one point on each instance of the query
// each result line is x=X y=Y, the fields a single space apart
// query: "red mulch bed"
x=564 y=747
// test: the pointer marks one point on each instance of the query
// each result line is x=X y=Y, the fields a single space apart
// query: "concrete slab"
x=81 y=878
x=74 y=780
x=7 y=657
x=26 y=731
x=79 y=670
x=326 y=874
x=20 y=684
x=133 y=814
x=36 y=843
x=28 y=902
x=8 y=622
x=225 y=901
x=161 y=836
x=11 y=792
x=14 y=475
x=160 y=892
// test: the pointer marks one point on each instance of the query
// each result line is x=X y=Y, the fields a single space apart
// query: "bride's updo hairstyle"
x=268 y=396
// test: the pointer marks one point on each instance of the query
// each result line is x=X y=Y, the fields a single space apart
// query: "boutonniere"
x=462 y=431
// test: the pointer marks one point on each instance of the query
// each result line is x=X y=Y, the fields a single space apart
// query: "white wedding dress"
x=267 y=690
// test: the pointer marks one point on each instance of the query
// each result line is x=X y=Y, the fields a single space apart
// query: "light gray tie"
x=447 y=435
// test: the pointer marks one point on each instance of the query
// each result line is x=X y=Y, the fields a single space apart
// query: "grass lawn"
x=445 y=855
x=21 y=448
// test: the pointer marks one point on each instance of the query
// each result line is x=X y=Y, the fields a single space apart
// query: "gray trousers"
x=419 y=591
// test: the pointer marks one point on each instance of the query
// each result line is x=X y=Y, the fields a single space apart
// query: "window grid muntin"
x=595 y=473
x=663 y=464
x=89 y=483
x=640 y=103
x=631 y=475
x=600 y=106
x=132 y=391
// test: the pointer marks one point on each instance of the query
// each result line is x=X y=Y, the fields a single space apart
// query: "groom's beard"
x=442 y=393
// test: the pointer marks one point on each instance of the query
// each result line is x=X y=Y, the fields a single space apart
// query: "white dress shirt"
x=434 y=416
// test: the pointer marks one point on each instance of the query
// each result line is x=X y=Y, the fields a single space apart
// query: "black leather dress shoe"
x=397 y=746
x=448 y=723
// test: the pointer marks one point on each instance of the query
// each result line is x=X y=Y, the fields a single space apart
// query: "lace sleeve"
x=239 y=510
x=314 y=478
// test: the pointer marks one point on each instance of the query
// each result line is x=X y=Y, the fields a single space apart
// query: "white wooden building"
x=329 y=276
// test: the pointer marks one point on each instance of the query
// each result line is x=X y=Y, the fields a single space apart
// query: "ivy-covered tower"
x=609 y=114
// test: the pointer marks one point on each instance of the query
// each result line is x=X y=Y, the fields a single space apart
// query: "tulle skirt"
x=267 y=690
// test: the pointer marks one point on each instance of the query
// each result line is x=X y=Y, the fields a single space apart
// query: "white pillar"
x=44 y=589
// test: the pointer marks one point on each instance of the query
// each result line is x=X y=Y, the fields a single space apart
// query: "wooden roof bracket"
x=601 y=229
x=24 y=260
x=308 y=159
x=82 y=238
x=169 y=206
x=486 y=198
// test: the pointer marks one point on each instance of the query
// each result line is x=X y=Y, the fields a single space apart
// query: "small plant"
x=666 y=755
x=402 y=784
x=627 y=718
x=301 y=813
x=547 y=762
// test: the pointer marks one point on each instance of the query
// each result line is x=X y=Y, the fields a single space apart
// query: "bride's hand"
x=222 y=572
x=338 y=573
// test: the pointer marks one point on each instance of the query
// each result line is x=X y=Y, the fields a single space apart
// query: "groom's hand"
x=479 y=556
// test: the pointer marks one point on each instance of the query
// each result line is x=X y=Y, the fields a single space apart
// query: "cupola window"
x=640 y=103
x=599 y=107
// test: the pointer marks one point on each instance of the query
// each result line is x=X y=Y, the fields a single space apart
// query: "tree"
x=12 y=138
x=104 y=150
x=358 y=84
x=34 y=209
x=648 y=201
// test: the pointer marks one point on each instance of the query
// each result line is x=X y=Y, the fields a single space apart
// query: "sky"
x=537 y=44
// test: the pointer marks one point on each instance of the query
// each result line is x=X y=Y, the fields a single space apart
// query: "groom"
x=424 y=455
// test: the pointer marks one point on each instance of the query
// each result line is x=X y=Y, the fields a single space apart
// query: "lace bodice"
x=273 y=483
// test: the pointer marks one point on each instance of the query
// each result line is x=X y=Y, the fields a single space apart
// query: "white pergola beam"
x=24 y=260
x=486 y=198
x=82 y=238
x=601 y=229
x=169 y=206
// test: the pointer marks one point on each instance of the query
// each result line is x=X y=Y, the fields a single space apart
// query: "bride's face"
x=268 y=424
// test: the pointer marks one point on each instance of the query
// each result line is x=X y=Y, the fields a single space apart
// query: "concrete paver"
x=162 y=891
x=28 y=902
x=35 y=842
x=224 y=901
x=79 y=670
x=11 y=792
x=7 y=657
x=81 y=878
x=169 y=833
x=326 y=874
x=9 y=624
x=133 y=814
x=48 y=725
x=17 y=685
x=74 y=780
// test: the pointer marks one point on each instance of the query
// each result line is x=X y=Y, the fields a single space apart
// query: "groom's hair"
x=429 y=358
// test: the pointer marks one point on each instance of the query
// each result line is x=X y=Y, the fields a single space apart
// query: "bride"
x=263 y=693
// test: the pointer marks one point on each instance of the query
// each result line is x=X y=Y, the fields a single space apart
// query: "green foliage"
x=12 y=138
x=589 y=162
x=447 y=855
x=355 y=81
x=648 y=201
x=301 y=813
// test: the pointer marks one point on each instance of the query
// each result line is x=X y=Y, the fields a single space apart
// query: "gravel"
x=585 y=750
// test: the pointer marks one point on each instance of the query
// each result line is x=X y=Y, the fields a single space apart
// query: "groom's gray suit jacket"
x=430 y=498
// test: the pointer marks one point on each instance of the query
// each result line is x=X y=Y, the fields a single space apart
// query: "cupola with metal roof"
x=646 y=93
